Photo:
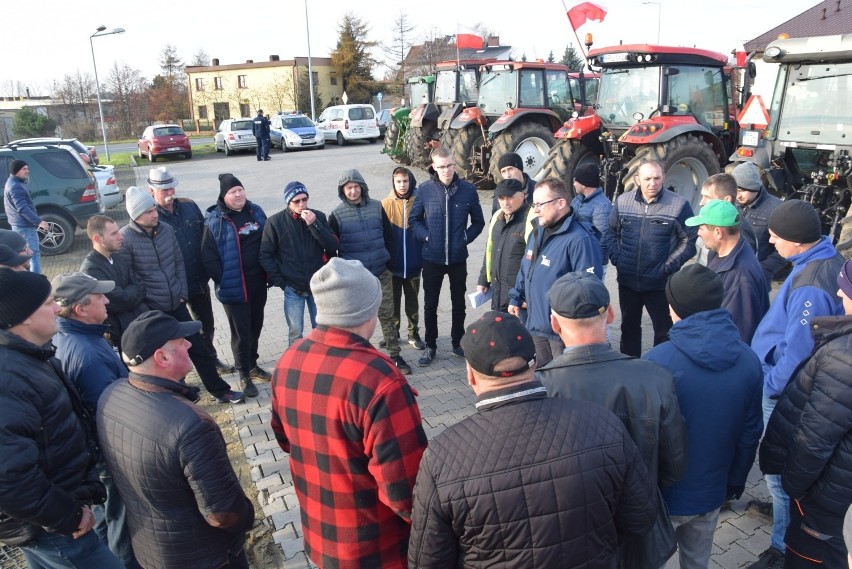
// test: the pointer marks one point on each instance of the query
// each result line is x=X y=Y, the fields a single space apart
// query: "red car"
x=163 y=140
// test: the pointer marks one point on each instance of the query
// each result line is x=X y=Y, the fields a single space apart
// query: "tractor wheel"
x=687 y=161
x=448 y=138
x=463 y=145
x=417 y=144
x=844 y=242
x=563 y=159
x=532 y=141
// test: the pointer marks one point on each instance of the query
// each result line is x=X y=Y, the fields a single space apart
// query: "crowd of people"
x=578 y=454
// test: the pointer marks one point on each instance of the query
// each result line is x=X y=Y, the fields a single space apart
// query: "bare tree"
x=126 y=90
x=171 y=65
x=399 y=46
x=200 y=59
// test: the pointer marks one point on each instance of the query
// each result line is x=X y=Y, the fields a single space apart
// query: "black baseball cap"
x=578 y=295
x=495 y=337
x=150 y=332
x=508 y=187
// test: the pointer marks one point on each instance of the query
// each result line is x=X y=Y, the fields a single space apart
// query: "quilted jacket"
x=809 y=437
x=188 y=222
x=185 y=506
x=156 y=259
x=529 y=481
x=127 y=299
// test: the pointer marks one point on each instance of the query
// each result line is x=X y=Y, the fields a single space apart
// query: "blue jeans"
x=54 y=551
x=294 y=312
x=780 y=499
x=31 y=236
x=111 y=522
x=695 y=538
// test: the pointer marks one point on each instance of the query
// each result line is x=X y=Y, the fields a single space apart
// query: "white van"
x=344 y=123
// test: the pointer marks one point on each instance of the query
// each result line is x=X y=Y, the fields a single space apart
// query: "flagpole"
x=458 y=57
x=579 y=43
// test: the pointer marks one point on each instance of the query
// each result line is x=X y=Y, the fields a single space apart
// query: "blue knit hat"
x=293 y=189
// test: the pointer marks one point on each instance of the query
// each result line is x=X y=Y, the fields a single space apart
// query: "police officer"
x=260 y=129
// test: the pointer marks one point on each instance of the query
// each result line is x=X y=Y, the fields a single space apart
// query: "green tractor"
x=422 y=93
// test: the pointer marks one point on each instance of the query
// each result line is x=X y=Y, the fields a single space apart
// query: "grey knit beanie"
x=346 y=294
x=352 y=175
x=138 y=201
x=747 y=177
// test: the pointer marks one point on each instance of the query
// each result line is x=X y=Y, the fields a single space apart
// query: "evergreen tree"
x=29 y=123
x=352 y=58
x=572 y=59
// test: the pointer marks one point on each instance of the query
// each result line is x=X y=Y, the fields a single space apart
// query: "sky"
x=49 y=39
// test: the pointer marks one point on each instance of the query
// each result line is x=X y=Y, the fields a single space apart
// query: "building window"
x=241 y=81
x=217 y=82
x=199 y=84
x=315 y=77
x=333 y=79
x=202 y=111
x=245 y=110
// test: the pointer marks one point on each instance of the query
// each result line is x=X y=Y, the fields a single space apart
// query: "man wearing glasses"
x=560 y=243
x=439 y=218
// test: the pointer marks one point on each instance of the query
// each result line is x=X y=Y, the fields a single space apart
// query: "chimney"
x=215 y=62
x=493 y=41
x=823 y=14
x=274 y=58
x=249 y=61
x=838 y=6
x=28 y=92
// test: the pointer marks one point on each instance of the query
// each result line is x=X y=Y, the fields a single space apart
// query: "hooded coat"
x=362 y=228
x=719 y=391
x=406 y=252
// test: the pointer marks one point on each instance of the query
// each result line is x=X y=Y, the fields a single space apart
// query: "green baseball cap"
x=719 y=213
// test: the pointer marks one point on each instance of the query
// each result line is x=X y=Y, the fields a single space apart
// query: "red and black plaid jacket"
x=352 y=427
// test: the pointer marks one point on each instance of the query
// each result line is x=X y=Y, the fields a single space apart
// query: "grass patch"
x=118 y=159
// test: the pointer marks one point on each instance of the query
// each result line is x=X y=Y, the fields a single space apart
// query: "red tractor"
x=670 y=104
x=520 y=106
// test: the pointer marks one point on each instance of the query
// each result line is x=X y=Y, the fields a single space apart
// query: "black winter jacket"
x=529 y=481
x=156 y=260
x=809 y=437
x=188 y=222
x=757 y=213
x=508 y=243
x=363 y=231
x=647 y=242
x=126 y=300
x=185 y=506
x=291 y=251
x=48 y=454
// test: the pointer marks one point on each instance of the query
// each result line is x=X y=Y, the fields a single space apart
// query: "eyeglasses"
x=538 y=205
x=300 y=200
x=444 y=167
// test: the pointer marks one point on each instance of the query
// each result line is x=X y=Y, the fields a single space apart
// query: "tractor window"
x=498 y=91
x=468 y=91
x=532 y=88
x=700 y=92
x=624 y=92
x=558 y=89
x=815 y=104
x=445 y=87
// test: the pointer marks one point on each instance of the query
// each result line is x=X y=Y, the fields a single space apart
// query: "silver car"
x=233 y=135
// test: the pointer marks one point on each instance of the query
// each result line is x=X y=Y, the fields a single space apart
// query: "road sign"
x=379 y=96
x=754 y=113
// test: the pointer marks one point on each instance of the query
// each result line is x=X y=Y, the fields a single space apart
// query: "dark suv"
x=64 y=192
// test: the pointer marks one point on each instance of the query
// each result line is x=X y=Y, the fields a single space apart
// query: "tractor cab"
x=421 y=95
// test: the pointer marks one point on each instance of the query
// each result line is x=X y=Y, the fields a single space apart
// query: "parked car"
x=384 y=119
x=108 y=190
x=87 y=153
x=64 y=192
x=163 y=140
x=345 y=123
x=292 y=131
x=233 y=135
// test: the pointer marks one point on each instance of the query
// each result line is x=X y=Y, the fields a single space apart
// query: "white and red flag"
x=585 y=11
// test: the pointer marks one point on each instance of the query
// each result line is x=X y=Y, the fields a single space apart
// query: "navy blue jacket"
x=260 y=126
x=221 y=252
x=570 y=248
x=594 y=210
x=719 y=392
x=18 y=204
x=362 y=231
x=746 y=291
x=647 y=242
x=757 y=214
x=440 y=213
x=87 y=358
x=406 y=252
x=188 y=222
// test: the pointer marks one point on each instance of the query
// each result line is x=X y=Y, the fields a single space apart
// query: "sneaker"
x=249 y=388
x=416 y=342
x=403 y=367
x=223 y=367
x=427 y=357
x=458 y=351
x=760 y=510
x=230 y=396
x=259 y=374
x=769 y=559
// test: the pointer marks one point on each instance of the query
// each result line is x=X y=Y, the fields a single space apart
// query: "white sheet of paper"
x=477 y=299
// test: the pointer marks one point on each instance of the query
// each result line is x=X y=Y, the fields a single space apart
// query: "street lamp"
x=659 y=13
x=101 y=31
x=310 y=69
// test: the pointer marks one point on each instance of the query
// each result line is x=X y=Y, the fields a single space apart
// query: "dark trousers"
x=546 y=349
x=433 y=278
x=411 y=289
x=203 y=358
x=246 y=322
x=631 y=303
x=201 y=308
x=262 y=147
x=809 y=547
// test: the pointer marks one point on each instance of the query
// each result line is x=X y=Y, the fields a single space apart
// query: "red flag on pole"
x=583 y=12
x=468 y=41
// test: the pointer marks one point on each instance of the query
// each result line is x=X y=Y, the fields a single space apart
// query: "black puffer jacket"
x=809 y=437
x=188 y=222
x=46 y=457
x=156 y=260
x=185 y=506
x=529 y=481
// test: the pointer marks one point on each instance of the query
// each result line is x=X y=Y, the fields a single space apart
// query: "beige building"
x=218 y=92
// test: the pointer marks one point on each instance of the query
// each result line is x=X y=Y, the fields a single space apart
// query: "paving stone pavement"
x=444 y=399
